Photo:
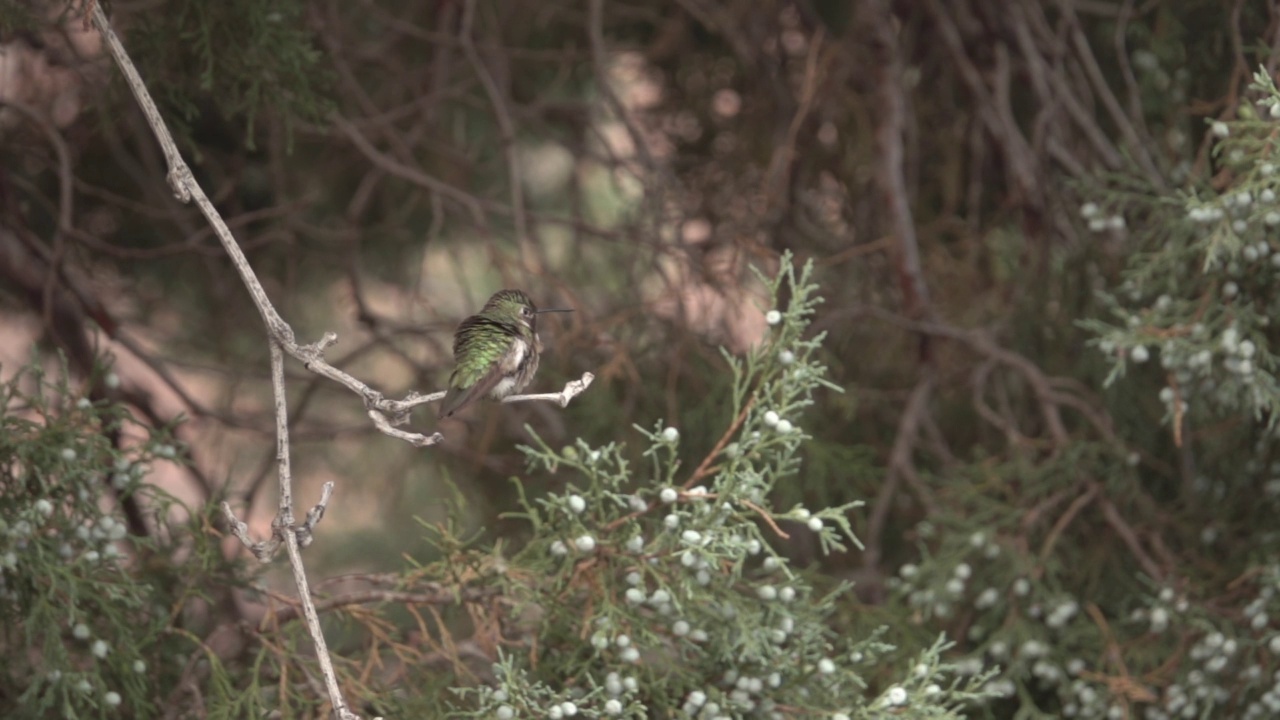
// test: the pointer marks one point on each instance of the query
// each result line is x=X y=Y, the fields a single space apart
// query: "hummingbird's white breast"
x=515 y=356
x=511 y=366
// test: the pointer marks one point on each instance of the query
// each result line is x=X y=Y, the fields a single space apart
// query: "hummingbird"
x=496 y=351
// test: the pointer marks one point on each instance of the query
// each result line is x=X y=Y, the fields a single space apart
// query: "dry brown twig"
x=506 y=128
x=384 y=412
x=891 y=171
x=901 y=468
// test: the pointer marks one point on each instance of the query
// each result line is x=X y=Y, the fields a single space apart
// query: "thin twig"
x=705 y=468
x=982 y=343
x=507 y=131
x=890 y=160
x=778 y=176
x=900 y=468
x=650 y=171
x=432 y=594
x=1059 y=527
x=767 y=518
x=475 y=206
x=1130 y=539
x=65 y=199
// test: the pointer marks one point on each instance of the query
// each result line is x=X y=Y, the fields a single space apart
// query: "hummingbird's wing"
x=458 y=398
x=481 y=363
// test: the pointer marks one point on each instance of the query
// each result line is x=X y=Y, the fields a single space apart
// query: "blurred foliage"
x=92 y=617
x=210 y=63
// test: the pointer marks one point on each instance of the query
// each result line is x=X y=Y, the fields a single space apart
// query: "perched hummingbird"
x=496 y=351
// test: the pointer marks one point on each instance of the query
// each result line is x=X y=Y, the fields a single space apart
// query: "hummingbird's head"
x=515 y=306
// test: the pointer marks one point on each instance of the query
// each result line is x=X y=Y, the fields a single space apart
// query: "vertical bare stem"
x=890 y=158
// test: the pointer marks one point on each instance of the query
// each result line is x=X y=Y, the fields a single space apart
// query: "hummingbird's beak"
x=551 y=310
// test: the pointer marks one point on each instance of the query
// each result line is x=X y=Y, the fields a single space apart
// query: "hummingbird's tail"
x=453 y=401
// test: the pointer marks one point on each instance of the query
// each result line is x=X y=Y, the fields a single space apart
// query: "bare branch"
x=313 y=626
x=187 y=189
x=891 y=176
x=506 y=129
x=571 y=390
x=281 y=339
x=901 y=468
